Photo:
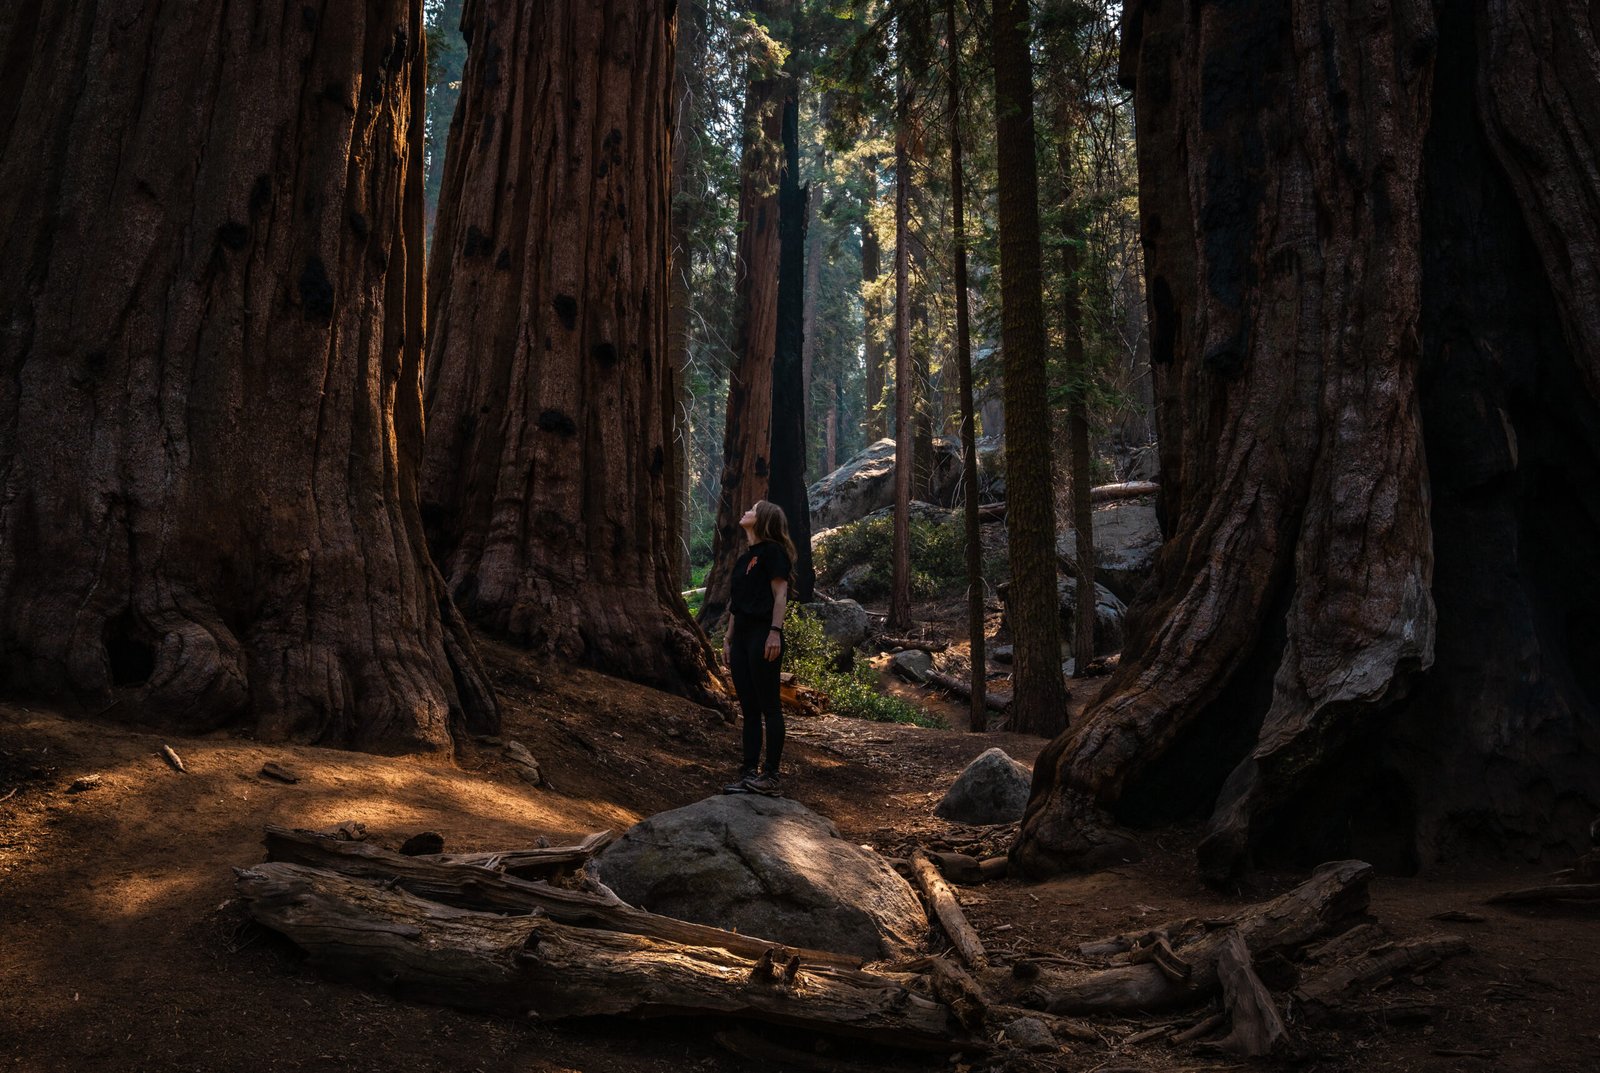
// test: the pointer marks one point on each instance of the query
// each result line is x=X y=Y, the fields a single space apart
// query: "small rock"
x=82 y=783
x=912 y=665
x=1032 y=1033
x=279 y=772
x=992 y=789
x=527 y=766
x=844 y=622
x=426 y=842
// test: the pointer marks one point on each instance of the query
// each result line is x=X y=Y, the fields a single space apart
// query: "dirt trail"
x=123 y=951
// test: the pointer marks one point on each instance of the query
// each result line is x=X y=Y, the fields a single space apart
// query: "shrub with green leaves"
x=813 y=659
x=938 y=556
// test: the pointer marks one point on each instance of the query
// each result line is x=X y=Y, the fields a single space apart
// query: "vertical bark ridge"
x=550 y=387
x=209 y=289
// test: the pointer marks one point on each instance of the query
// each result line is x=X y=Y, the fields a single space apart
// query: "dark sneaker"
x=765 y=783
x=741 y=785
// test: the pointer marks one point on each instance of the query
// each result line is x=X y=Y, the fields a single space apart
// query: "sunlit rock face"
x=767 y=867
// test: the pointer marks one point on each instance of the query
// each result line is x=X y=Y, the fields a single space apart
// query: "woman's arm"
x=780 y=597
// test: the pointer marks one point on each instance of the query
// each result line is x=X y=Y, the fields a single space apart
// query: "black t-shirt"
x=753 y=576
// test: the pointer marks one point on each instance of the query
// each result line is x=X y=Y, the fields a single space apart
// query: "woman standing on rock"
x=753 y=646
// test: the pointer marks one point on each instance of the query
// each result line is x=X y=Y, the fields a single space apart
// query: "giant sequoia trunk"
x=747 y=432
x=1373 y=262
x=211 y=411
x=550 y=390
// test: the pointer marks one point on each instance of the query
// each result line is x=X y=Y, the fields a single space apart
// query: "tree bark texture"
x=978 y=711
x=1078 y=457
x=787 y=485
x=550 y=389
x=877 y=353
x=1039 y=697
x=900 y=582
x=747 y=432
x=1377 y=363
x=210 y=404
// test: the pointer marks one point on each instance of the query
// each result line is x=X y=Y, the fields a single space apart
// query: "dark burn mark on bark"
x=602 y=169
x=358 y=224
x=486 y=137
x=308 y=18
x=658 y=461
x=233 y=235
x=130 y=656
x=477 y=243
x=503 y=262
x=397 y=51
x=566 y=308
x=605 y=353
x=491 y=61
x=316 y=291
x=260 y=196
x=1227 y=359
x=1164 y=330
x=557 y=422
x=761 y=466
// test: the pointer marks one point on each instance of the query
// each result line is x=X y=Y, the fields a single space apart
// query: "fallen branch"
x=947 y=908
x=1107 y=493
x=952 y=684
x=1559 y=892
x=887 y=643
x=541 y=969
x=531 y=863
x=1334 y=893
x=172 y=758
x=1158 y=952
x=1326 y=990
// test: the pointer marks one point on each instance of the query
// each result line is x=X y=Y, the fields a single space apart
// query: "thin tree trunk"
x=978 y=714
x=747 y=432
x=1079 y=475
x=831 y=457
x=900 y=584
x=877 y=353
x=211 y=313
x=1039 y=704
x=1363 y=635
x=550 y=392
x=787 y=485
x=808 y=331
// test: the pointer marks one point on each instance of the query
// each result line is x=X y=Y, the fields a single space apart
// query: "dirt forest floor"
x=122 y=947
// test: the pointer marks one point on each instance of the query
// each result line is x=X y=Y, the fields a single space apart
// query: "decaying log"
x=994 y=868
x=543 y=969
x=958 y=867
x=1107 y=493
x=931 y=647
x=1334 y=893
x=954 y=987
x=1352 y=942
x=531 y=863
x=947 y=908
x=1257 y=1028
x=1158 y=952
x=950 y=683
x=1558 y=892
x=1326 y=990
x=1177 y=932
x=473 y=887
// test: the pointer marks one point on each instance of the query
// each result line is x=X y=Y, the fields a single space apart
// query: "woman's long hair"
x=772 y=524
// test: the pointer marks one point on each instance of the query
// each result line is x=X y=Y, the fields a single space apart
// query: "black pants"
x=755 y=680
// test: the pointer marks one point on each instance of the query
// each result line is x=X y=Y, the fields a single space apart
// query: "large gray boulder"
x=844 y=622
x=866 y=483
x=992 y=789
x=1126 y=540
x=767 y=867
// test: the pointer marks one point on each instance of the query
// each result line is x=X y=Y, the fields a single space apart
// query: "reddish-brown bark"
x=1039 y=697
x=900 y=584
x=747 y=431
x=210 y=418
x=1347 y=261
x=550 y=392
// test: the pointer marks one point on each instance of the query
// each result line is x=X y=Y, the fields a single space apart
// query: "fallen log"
x=536 y=863
x=1257 y=1028
x=947 y=908
x=956 y=989
x=931 y=647
x=1107 y=493
x=958 y=867
x=467 y=886
x=1558 y=892
x=545 y=970
x=1158 y=952
x=950 y=683
x=1317 y=996
x=1334 y=893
